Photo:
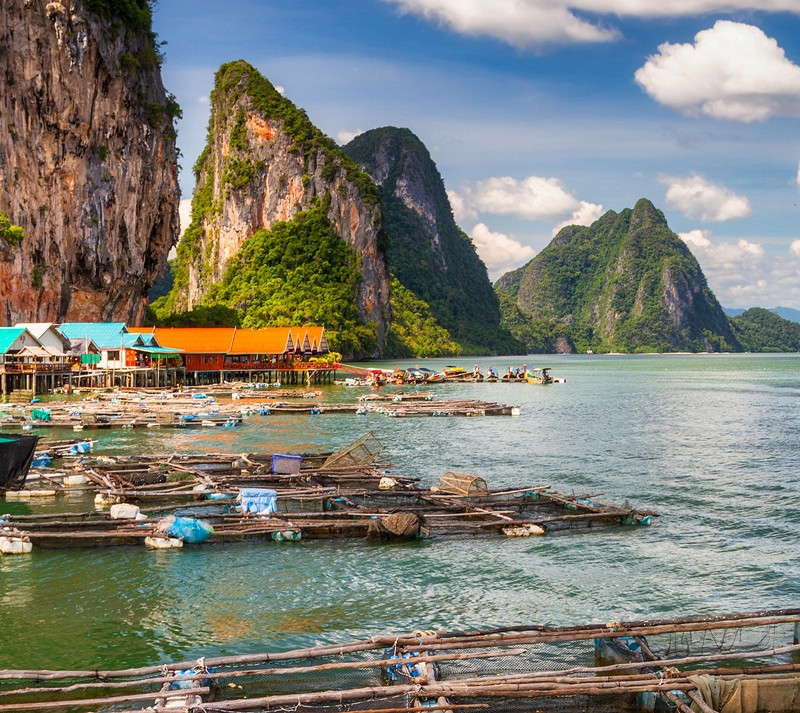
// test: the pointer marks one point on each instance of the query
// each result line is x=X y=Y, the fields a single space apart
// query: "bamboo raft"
x=347 y=493
x=739 y=663
x=191 y=414
x=314 y=511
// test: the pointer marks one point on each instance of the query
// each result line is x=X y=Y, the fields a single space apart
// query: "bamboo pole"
x=14 y=707
x=548 y=635
x=679 y=704
x=337 y=665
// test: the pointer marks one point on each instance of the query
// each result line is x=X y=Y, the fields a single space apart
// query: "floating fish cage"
x=657 y=665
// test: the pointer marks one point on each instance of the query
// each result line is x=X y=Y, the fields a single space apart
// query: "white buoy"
x=104 y=500
x=163 y=543
x=15 y=545
x=523 y=530
x=124 y=511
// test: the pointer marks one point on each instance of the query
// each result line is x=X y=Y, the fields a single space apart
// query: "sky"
x=544 y=113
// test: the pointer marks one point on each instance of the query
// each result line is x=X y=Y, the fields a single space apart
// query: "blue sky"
x=540 y=113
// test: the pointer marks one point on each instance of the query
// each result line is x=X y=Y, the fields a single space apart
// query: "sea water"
x=710 y=442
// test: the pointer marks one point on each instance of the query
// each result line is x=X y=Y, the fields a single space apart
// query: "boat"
x=16 y=457
x=414 y=376
x=538 y=376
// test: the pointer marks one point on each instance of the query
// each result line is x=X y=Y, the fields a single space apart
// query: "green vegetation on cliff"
x=760 y=330
x=427 y=252
x=12 y=234
x=299 y=272
x=415 y=331
x=135 y=15
x=540 y=336
x=238 y=78
x=626 y=283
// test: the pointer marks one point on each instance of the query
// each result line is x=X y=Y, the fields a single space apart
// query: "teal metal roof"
x=9 y=335
x=165 y=351
x=130 y=340
x=106 y=335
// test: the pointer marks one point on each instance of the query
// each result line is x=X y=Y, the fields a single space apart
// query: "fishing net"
x=363 y=451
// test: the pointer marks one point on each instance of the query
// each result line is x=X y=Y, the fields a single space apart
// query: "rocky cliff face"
x=626 y=283
x=265 y=162
x=88 y=166
x=429 y=254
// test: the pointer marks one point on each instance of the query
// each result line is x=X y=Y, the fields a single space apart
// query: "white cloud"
x=700 y=199
x=722 y=256
x=797 y=179
x=533 y=198
x=522 y=23
x=185 y=213
x=534 y=23
x=585 y=214
x=732 y=71
x=499 y=252
x=280 y=89
x=203 y=100
x=345 y=137
x=741 y=274
x=461 y=211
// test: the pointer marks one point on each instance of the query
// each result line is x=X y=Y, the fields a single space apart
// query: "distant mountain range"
x=793 y=315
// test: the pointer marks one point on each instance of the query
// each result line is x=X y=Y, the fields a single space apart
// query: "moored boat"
x=16 y=456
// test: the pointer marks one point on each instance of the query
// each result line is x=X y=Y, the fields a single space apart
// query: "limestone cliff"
x=265 y=163
x=428 y=253
x=626 y=283
x=88 y=165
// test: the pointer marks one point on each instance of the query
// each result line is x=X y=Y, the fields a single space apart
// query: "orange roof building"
x=192 y=340
x=232 y=349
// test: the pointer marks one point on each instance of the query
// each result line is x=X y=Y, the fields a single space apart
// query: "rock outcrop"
x=428 y=253
x=265 y=162
x=626 y=283
x=88 y=164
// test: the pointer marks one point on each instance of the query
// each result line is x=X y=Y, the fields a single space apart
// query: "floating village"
x=65 y=385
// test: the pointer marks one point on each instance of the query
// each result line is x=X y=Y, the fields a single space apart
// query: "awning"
x=159 y=351
x=43 y=352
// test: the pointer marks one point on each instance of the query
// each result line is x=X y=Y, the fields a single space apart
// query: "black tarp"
x=16 y=455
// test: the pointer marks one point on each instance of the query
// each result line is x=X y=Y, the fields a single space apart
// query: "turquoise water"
x=712 y=442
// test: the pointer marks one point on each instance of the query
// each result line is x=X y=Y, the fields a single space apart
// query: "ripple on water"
x=711 y=442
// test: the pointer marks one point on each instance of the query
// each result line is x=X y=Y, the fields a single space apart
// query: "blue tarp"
x=260 y=501
x=189 y=529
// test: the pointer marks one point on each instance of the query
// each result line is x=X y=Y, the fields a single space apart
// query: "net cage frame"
x=363 y=451
x=454 y=482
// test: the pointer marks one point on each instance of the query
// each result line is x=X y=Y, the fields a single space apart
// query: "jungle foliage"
x=540 y=336
x=415 y=331
x=626 y=283
x=200 y=316
x=760 y=330
x=298 y=272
